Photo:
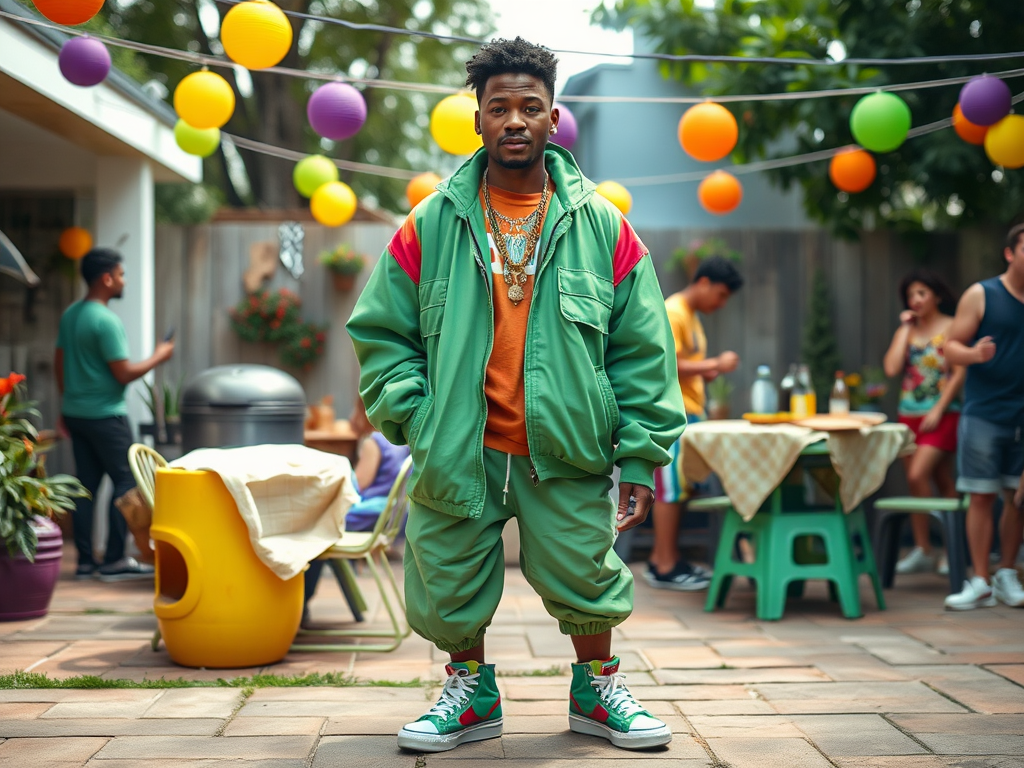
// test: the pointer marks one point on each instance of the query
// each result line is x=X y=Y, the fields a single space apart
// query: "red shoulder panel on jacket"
x=628 y=252
x=405 y=248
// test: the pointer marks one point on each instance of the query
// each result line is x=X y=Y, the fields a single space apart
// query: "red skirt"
x=942 y=437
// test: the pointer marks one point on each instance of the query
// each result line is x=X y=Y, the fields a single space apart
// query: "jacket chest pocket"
x=585 y=297
x=432 y=295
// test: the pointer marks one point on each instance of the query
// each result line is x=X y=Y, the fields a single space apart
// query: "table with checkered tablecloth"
x=751 y=460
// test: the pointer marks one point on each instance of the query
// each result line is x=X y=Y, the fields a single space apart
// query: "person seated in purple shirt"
x=376 y=469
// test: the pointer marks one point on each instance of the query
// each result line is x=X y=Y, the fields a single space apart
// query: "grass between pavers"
x=23 y=680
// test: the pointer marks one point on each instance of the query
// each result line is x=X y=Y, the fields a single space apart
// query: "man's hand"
x=728 y=362
x=984 y=349
x=931 y=420
x=908 y=317
x=164 y=350
x=643 y=499
x=709 y=375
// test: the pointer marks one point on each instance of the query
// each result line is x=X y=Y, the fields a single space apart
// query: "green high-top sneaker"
x=600 y=704
x=469 y=710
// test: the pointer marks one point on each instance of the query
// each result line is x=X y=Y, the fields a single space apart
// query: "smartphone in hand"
x=170 y=333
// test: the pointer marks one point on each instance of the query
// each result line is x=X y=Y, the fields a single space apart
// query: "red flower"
x=7 y=385
x=280 y=311
x=321 y=336
x=305 y=343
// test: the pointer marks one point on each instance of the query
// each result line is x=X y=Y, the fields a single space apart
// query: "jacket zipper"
x=478 y=257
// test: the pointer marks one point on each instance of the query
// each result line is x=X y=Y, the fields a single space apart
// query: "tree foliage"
x=396 y=132
x=934 y=181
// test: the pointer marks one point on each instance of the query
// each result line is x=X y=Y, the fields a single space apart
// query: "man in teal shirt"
x=92 y=369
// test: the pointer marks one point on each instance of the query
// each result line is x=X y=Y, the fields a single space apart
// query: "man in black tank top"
x=987 y=336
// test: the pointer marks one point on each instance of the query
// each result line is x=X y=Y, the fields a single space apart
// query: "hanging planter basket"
x=343 y=282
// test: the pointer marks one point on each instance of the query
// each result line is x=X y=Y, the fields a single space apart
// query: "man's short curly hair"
x=502 y=57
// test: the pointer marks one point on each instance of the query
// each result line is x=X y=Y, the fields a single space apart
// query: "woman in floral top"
x=929 y=400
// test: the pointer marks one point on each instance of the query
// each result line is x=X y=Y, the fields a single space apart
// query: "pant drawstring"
x=508 y=474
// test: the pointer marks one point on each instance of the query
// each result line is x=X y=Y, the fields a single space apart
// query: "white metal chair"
x=144 y=462
x=371 y=547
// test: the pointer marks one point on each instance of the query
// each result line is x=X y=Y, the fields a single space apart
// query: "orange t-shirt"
x=503 y=382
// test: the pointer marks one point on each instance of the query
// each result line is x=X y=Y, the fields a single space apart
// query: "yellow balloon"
x=256 y=34
x=453 y=124
x=1004 y=142
x=204 y=100
x=333 y=204
x=617 y=194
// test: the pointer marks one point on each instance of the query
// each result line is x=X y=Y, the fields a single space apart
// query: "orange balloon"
x=852 y=170
x=720 y=193
x=420 y=187
x=708 y=131
x=75 y=242
x=966 y=130
x=69 y=12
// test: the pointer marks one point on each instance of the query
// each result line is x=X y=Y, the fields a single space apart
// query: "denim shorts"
x=990 y=457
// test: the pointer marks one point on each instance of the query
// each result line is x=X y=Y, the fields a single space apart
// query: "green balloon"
x=880 y=122
x=196 y=141
x=313 y=172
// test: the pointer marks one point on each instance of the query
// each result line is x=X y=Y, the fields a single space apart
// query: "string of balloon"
x=206 y=60
x=673 y=57
x=259 y=35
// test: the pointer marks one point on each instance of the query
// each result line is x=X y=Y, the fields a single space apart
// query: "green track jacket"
x=600 y=369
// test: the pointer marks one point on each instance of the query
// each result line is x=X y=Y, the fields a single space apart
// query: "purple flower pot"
x=27 y=586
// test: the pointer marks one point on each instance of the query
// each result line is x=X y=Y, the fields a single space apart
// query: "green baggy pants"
x=454 y=567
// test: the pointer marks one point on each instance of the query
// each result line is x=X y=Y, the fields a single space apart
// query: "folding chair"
x=144 y=462
x=371 y=547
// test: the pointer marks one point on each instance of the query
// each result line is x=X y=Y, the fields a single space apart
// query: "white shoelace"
x=613 y=691
x=456 y=692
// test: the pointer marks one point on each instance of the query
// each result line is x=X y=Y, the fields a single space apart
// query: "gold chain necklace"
x=517 y=247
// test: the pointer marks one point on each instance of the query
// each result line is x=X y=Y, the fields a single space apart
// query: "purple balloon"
x=567 y=131
x=985 y=100
x=84 y=61
x=336 y=111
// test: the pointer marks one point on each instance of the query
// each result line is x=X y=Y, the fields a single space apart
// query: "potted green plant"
x=164 y=403
x=689 y=258
x=719 y=391
x=32 y=546
x=304 y=345
x=344 y=263
x=266 y=315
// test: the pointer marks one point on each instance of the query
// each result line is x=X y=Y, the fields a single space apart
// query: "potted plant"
x=164 y=403
x=304 y=345
x=266 y=315
x=32 y=546
x=344 y=264
x=689 y=258
x=719 y=391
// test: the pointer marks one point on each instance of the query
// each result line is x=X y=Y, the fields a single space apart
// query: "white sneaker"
x=975 y=594
x=916 y=561
x=943 y=569
x=1006 y=587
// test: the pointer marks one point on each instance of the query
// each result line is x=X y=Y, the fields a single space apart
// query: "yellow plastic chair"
x=371 y=547
x=144 y=462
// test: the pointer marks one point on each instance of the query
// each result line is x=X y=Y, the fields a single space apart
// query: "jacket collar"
x=572 y=188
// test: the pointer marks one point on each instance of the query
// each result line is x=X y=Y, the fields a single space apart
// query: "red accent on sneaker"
x=610 y=669
x=470 y=717
x=599 y=713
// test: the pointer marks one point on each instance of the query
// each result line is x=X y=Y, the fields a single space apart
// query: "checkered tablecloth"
x=751 y=460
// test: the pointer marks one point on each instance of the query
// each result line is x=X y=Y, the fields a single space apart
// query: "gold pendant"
x=515 y=293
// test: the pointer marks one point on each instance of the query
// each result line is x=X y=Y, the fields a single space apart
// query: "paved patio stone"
x=198 y=763
x=840 y=698
x=21 y=711
x=196 y=702
x=1012 y=672
x=856 y=735
x=913 y=761
x=109 y=727
x=972 y=725
x=194 y=747
x=55 y=695
x=365 y=752
x=574 y=746
x=745 y=726
x=739 y=676
x=99 y=709
x=729 y=707
x=22 y=753
x=767 y=753
x=859 y=669
x=275 y=726
x=989 y=744
x=976 y=688
x=354 y=693
x=22 y=655
x=691 y=657
x=332 y=709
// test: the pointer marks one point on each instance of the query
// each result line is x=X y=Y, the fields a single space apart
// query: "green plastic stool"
x=783 y=556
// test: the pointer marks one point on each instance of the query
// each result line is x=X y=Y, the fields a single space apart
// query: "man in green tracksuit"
x=514 y=335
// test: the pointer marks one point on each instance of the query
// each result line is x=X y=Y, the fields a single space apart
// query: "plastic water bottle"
x=839 y=399
x=786 y=386
x=764 y=398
